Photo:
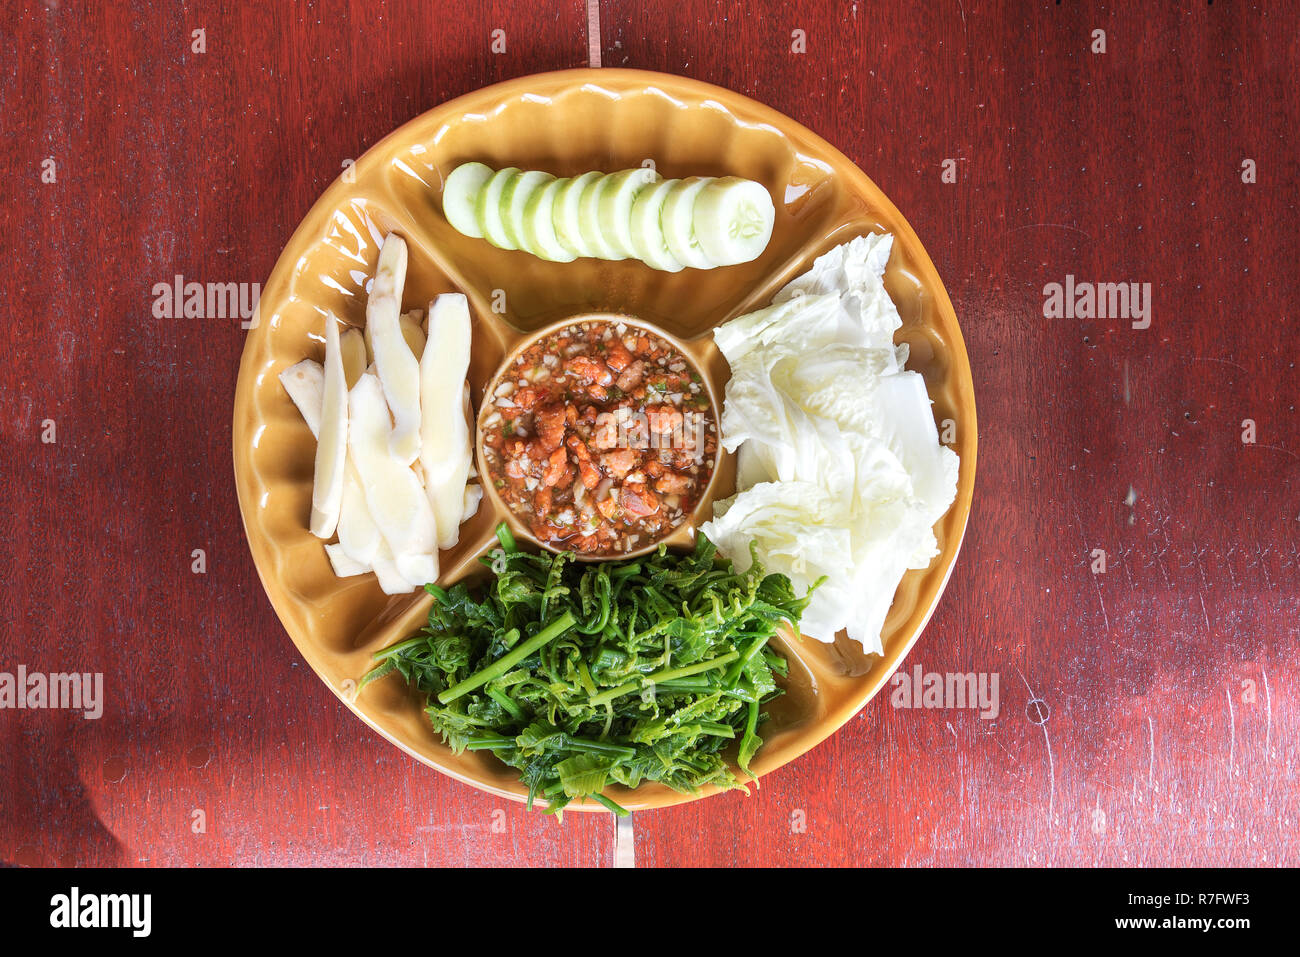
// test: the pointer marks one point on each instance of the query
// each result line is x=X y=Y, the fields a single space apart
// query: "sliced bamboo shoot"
x=390 y=580
x=360 y=547
x=332 y=442
x=413 y=332
x=394 y=496
x=473 y=492
x=469 y=426
x=358 y=534
x=305 y=383
x=399 y=370
x=444 y=438
x=473 y=495
x=359 y=539
x=344 y=566
x=418 y=569
x=353 y=346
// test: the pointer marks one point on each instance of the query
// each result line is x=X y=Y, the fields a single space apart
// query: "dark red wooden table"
x=1148 y=712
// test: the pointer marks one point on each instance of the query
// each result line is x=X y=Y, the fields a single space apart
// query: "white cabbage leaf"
x=840 y=474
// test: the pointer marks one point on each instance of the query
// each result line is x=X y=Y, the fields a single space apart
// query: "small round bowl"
x=681 y=536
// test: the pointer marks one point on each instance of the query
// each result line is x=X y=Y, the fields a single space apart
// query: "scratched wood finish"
x=1169 y=683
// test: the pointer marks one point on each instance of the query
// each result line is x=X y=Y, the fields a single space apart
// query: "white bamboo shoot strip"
x=359 y=539
x=331 y=443
x=393 y=494
x=358 y=534
x=344 y=567
x=413 y=332
x=444 y=438
x=469 y=425
x=419 y=569
x=305 y=383
x=473 y=492
x=353 y=346
x=399 y=370
x=390 y=582
x=473 y=495
x=360 y=547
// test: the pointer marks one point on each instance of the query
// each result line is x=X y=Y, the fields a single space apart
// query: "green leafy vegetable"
x=586 y=675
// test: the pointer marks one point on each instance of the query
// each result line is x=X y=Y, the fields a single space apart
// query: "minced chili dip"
x=600 y=437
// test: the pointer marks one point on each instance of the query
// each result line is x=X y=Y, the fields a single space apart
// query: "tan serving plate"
x=566 y=123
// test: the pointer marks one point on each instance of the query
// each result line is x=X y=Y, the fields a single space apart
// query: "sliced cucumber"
x=459 y=195
x=648 y=240
x=678 y=221
x=567 y=215
x=488 y=209
x=733 y=220
x=539 y=224
x=514 y=199
x=616 y=201
x=598 y=240
x=700 y=222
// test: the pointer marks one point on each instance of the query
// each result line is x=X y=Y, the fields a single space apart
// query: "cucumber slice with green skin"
x=567 y=215
x=647 y=233
x=678 y=221
x=733 y=220
x=514 y=199
x=460 y=193
x=488 y=208
x=539 y=224
x=616 y=200
x=598 y=241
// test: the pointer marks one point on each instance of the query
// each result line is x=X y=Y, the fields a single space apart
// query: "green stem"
x=400 y=647
x=717 y=729
x=507 y=540
x=599 y=626
x=601 y=747
x=377 y=672
x=733 y=673
x=510 y=707
x=584 y=674
x=740 y=693
x=668 y=674
x=747 y=739
x=672 y=674
x=509 y=660
x=620 y=811
x=686 y=684
x=490 y=742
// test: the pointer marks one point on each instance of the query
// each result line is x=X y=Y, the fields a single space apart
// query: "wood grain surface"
x=1147 y=712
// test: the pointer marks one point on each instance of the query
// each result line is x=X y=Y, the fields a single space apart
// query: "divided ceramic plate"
x=567 y=123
